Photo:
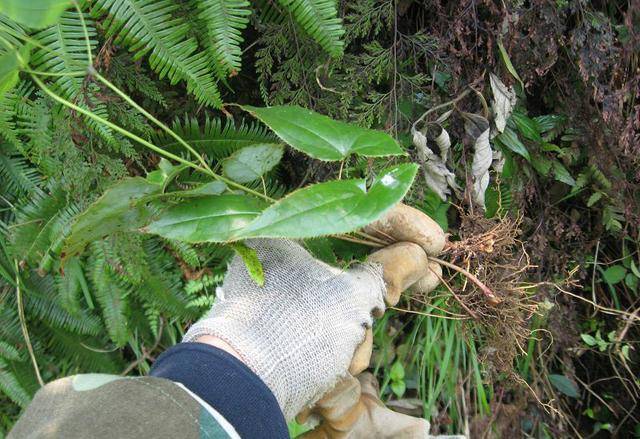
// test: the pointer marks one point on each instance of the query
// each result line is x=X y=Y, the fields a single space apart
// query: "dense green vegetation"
x=123 y=120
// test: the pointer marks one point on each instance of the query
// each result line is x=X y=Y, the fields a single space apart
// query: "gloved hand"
x=353 y=410
x=299 y=332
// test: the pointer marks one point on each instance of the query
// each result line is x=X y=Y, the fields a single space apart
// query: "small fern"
x=65 y=50
x=110 y=294
x=150 y=27
x=10 y=386
x=224 y=21
x=216 y=139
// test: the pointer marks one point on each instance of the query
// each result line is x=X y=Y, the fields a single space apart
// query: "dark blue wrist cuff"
x=227 y=385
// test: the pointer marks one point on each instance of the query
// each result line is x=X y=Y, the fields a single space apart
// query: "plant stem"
x=23 y=325
x=144 y=142
x=152 y=118
x=86 y=33
x=493 y=299
x=36 y=72
x=438 y=107
x=113 y=126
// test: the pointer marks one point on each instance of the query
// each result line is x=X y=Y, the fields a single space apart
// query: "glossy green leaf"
x=541 y=164
x=165 y=173
x=10 y=63
x=527 y=127
x=216 y=218
x=116 y=210
x=588 y=339
x=250 y=163
x=564 y=385
x=614 y=274
x=251 y=262
x=34 y=13
x=562 y=174
x=332 y=207
x=508 y=64
x=322 y=137
x=510 y=139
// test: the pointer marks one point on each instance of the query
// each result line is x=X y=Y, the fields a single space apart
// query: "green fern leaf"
x=11 y=387
x=109 y=292
x=224 y=21
x=42 y=301
x=65 y=50
x=215 y=139
x=18 y=178
x=9 y=352
x=148 y=26
x=319 y=19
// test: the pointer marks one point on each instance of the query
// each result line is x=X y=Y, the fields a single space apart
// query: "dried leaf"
x=444 y=143
x=436 y=174
x=477 y=127
x=504 y=99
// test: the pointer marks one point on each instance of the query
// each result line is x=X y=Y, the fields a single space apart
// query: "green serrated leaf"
x=564 y=385
x=251 y=262
x=208 y=219
x=614 y=274
x=510 y=139
x=322 y=137
x=34 y=13
x=332 y=207
x=250 y=163
x=115 y=211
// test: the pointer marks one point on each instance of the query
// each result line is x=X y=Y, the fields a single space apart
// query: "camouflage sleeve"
x=109 y=406
x=195 y=391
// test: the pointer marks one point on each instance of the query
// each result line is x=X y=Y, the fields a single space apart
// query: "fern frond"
x=184 y=251
x=147 y=26
x=224 y=21
x=78 y=353
x=215 y=139
x=42 y=302
x=162 y=286
x=66 y=51
x=7 y=123
x=9 y=352
x=41 y=226
x=319 y=19
x=110 y=294
x=18 y=178
x=11 y=387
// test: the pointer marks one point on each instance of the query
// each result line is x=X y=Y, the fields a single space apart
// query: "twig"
x=462 y=304
x=493 y=299
x=23 y=325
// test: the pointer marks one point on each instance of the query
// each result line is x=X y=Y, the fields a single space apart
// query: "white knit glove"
x=299 y=331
